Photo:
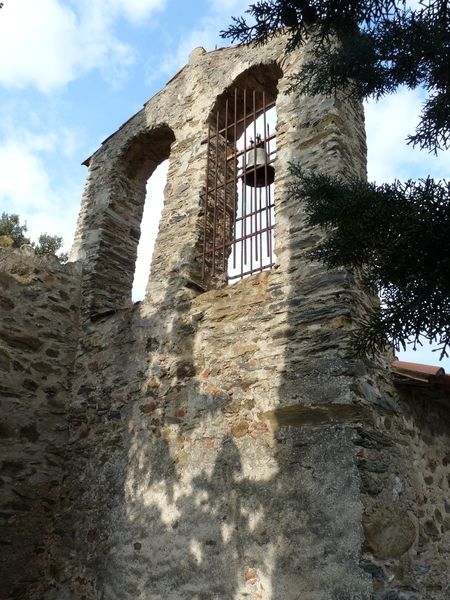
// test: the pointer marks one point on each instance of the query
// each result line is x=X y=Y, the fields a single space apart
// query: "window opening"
x=154 y=202
x=252 y=249
x=239 y=215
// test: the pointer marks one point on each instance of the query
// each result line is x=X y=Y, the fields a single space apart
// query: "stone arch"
x=253 y=89
x=113 y=206
x=259 y=77
x=145 y=152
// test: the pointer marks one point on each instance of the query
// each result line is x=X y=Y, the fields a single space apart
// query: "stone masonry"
x=212 y=441
x=39 y=311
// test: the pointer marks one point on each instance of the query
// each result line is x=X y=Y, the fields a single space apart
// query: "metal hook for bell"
x=258 y=173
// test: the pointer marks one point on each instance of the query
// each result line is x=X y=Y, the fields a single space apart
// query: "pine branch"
x=398 y=235
x=365 y=49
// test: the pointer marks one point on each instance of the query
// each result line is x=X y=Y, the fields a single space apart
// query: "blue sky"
x=72 y=71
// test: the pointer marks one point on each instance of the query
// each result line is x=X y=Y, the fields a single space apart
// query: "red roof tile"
x=406 y=372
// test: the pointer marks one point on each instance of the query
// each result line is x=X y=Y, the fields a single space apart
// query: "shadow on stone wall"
x=39 y=301
x=189 y=487
x=215 y=445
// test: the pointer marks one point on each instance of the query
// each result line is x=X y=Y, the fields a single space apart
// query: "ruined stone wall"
x=39 y=304
x=174 y=125
x=405 y=483
x=228 y=443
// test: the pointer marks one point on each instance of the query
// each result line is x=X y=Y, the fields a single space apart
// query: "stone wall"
x=228 y=464
x=405 y=483
x=39 y=301
x=206 y=471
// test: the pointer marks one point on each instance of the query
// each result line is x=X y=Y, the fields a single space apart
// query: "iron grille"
x=239 y=213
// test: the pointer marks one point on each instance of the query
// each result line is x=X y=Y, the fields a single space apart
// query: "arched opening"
x=252 y=243
x=121 y=222
x=154 y=201
x=237 y=237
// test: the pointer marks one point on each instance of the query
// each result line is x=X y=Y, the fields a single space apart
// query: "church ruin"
x=219 y=439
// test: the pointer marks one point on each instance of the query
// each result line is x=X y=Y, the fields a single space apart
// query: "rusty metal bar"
x=206 y=202
x=215 y=200
x=244 y=192
x=235 y=172
x=252 y=213
x=252 y=191
x=269 y=214
x=240 y=152
x=260 y=228
x=242 y=275
x=265 y=180
x=266 y=141
x=255 y=190
x=250 y=235
x=220 y=185
x=224 y=230
x=259 y=112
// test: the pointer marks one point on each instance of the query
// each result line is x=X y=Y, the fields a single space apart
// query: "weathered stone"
x=6 y=431
x=373 y=439
x=21 y=340
x=5 y=360
x=34 y=436
x=371 y=484
x=374 y=465
x=388 y=533
x=148 y=408
x=29 y=432
x=431 y=529
x=299 y=416
x=374 y=570
x=239 y=429
x=6 y=303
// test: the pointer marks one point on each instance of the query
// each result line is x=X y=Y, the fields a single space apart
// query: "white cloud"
x=134 y=10
x=205 y=35
x=27 y=189
x=388 y=123
x=49 y=43
x=20 y=172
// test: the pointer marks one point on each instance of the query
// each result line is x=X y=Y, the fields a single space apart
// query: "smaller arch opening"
x=121 y=220
x=154 y=202
x=146 y=151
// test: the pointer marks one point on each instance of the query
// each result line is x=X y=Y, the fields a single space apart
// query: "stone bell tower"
x=215 y=485
x=224 y=440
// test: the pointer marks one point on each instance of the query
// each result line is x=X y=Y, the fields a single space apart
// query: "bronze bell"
x=256 y=166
